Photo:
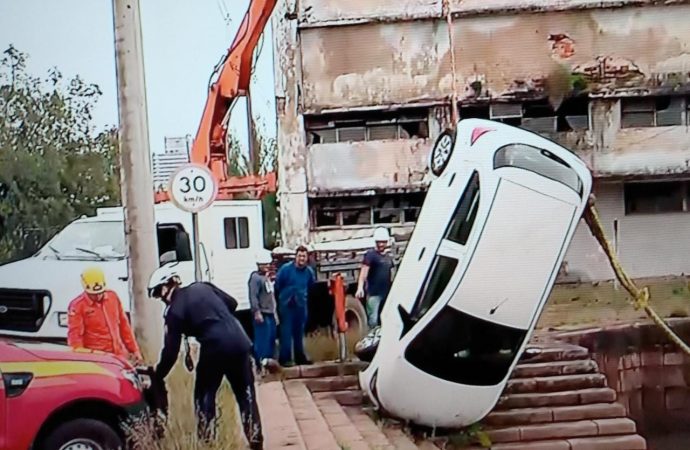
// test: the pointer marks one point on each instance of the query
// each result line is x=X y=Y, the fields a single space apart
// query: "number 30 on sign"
x=193 y=188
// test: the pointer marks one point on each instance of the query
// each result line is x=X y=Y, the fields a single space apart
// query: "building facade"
x=363 y=89
x=175 y=155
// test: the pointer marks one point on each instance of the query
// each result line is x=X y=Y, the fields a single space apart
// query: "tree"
x=55 y=165
x=264 y=161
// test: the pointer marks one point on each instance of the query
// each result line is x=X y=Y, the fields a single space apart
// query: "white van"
x=477 y=271
x=35 y=292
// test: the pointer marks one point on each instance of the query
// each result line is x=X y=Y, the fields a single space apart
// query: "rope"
x=640 y=297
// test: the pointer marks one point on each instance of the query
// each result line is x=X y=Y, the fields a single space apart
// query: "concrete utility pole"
x=137 y=183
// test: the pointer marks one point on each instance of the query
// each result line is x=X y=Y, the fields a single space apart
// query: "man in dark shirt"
x=376 y=271
x=204 y=312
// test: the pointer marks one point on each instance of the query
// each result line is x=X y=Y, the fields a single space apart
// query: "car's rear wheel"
x=441 y=152
x=83 y=434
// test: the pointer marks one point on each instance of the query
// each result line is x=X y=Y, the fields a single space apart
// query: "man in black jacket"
x=204 y=312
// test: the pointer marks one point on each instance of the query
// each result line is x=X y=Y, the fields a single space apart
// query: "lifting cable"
x=640 y=296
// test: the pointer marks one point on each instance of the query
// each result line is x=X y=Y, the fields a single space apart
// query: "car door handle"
x=123 y=278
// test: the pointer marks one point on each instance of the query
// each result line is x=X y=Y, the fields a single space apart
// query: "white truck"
x=35 y=292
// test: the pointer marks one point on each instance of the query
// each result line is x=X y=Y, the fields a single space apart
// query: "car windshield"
x=460 y=348
x=88 y=240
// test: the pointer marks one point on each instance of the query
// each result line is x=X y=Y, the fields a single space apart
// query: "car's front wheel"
x=83 y=434
x=441 y=152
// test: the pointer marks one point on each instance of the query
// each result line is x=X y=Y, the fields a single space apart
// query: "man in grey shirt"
x=263 y=306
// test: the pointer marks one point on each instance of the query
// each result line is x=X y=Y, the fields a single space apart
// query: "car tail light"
x=477 y=133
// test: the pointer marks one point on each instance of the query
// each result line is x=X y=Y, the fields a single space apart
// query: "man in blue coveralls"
x=292 y=289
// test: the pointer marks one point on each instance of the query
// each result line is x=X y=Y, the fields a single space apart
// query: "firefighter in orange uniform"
x=96 y=320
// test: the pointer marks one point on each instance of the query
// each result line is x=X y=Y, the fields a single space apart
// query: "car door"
x=443 y=273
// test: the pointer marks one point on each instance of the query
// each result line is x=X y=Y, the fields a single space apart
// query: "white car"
x=479 y=267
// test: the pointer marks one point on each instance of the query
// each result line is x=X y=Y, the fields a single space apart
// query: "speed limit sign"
x=193 y=188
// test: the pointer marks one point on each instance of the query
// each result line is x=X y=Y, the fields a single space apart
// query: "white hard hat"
x=161 y=276
x=381 y=234
x=263 y=257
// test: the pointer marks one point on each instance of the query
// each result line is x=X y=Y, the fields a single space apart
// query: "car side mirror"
x=407 y=320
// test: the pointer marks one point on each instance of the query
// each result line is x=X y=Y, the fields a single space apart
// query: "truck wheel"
x=83 y=434
x=356 y=317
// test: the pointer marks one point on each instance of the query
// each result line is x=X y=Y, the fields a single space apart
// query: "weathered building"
x=363 y=88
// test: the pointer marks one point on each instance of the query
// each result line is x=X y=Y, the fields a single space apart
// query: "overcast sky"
x=183 y=41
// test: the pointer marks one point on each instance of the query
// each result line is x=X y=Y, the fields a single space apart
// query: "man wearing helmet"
x=263 y=306
x=203 y=311
x=96 y=320
x=376 y=271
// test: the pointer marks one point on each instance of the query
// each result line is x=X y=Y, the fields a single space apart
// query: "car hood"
x=61 y=277
x=57 y=352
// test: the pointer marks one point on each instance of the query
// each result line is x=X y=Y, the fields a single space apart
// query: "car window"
x=461 y=348
x=465 y=212
x=442 y=269
x=539 y=161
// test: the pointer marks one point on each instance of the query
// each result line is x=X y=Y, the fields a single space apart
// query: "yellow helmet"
x=93 y=280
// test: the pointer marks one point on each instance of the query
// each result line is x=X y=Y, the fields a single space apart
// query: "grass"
x=322 y=346
x=180 y=433
x=577 y=306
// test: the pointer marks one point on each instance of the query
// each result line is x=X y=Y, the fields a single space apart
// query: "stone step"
x=537 y=353
x=368 y=429
x=563 y=398
x=557 y=383
x=563 y=430
x=345 y=398
x=346 y=434
x=280 y=428
x=555 y=368
x=312 y=425
x=625 y=442
x=330 y=384
x=323 y=369
x=526 y=416
x=398 y=438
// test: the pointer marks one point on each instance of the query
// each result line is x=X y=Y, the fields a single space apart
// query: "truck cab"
x=35 y=292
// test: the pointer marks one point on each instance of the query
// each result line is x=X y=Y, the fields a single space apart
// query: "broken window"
x=573 y=114
x=368 y=126
x=365 y=210
x=655 y=197
x=534 y=115
x=638 y=112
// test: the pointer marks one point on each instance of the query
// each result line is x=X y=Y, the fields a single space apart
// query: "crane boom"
x=234 y=75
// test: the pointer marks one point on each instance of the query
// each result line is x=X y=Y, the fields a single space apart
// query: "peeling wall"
x=600 y=51
x=372 y=165
x=321 y=13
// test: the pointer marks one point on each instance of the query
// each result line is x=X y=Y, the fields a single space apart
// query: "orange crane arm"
x=209 y=147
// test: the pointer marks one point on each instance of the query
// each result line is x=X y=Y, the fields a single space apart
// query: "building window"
x=656 y=197
x=664 y=111
x=236 y=232
x=389 y=209
x=535 y=115
x=368 y=126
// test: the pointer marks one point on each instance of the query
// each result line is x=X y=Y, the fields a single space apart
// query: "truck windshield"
x=88 y=240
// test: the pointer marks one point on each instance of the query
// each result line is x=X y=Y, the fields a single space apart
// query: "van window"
x=461 y=224
x=539 y=161
x=236 y=232
x=437 y=279
x=173 y=243
x=464 y=349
